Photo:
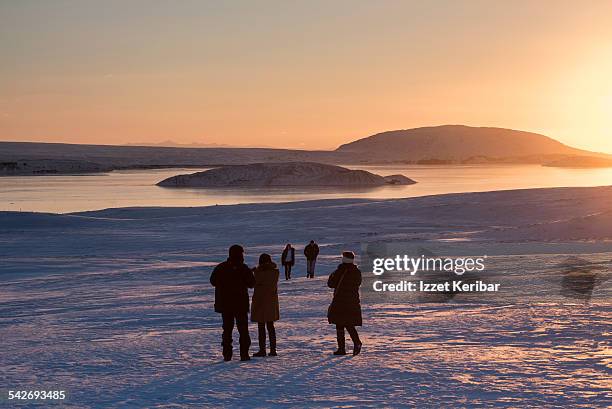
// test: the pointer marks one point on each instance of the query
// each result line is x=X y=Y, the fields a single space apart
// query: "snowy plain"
x=115 y=307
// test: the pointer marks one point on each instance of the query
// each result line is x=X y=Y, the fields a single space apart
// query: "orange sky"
x=302 y=74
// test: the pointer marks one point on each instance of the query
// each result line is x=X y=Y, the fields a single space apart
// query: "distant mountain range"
x=461 y=144
x=172 y=144
x=447 y=144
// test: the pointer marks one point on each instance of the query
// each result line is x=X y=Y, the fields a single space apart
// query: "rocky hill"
x=282 y=174
x=460 y=144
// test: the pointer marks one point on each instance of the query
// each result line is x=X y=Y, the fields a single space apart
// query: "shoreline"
x=579 y=217
x=55 y=172
x=327 y=201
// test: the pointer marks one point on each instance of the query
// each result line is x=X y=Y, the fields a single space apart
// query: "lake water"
x=64 y=194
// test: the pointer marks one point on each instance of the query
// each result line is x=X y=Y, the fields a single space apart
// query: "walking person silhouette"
x=231 y=280
x=311 y=251
x=265 y=308
x=345 y=308
x=288 y=260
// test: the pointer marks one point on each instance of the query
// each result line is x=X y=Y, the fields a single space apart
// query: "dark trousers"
x=287 y=271
x=242 y=323
x=310 y=267
x=261 y=327
x=340 y=335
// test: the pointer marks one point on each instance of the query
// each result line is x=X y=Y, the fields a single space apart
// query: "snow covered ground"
x=114 y=306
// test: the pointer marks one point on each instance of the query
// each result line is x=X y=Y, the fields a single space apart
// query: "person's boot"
x=227 y=351
x=262 y=342
x=341 y=344
x=273 y=343
x=356 y=341
x=244 y=353
x=357 y=348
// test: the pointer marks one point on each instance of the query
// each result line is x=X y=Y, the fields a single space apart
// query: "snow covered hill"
x=283 y=174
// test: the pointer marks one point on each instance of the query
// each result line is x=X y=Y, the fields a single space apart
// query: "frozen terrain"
x=114 y=306
x=283 y=174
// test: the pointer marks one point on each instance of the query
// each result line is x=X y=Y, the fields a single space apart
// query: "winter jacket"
x=311 y=251
x=345 y=308
x=265 y=306
x=287 y=258
x=232 y=280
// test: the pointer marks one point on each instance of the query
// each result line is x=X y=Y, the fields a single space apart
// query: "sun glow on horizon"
x=306 y=75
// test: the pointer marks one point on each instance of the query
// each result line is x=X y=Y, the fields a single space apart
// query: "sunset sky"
x=304 y=74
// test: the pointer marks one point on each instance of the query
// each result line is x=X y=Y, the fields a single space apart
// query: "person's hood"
x=266 y=266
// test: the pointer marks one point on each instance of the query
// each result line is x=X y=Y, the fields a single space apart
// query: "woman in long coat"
x=265 y=308
x=345 y=308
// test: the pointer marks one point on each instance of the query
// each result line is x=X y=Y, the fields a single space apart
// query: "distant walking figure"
x=345 y=308
x=311 y=251
x=231 y=280
x=288 y=260
x=265 y=309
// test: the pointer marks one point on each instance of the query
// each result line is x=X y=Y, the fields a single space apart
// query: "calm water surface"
x=63 y=194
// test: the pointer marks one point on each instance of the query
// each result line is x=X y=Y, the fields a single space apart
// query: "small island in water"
x=283 y=174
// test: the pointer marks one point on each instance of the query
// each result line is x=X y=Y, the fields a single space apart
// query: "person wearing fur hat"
x=345 y=308
x=264 y=308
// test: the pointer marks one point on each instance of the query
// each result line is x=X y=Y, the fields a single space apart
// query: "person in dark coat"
x=311 y=251
x=264 y=308
x=231 y=280
x=288 y=260
x=345 y=308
